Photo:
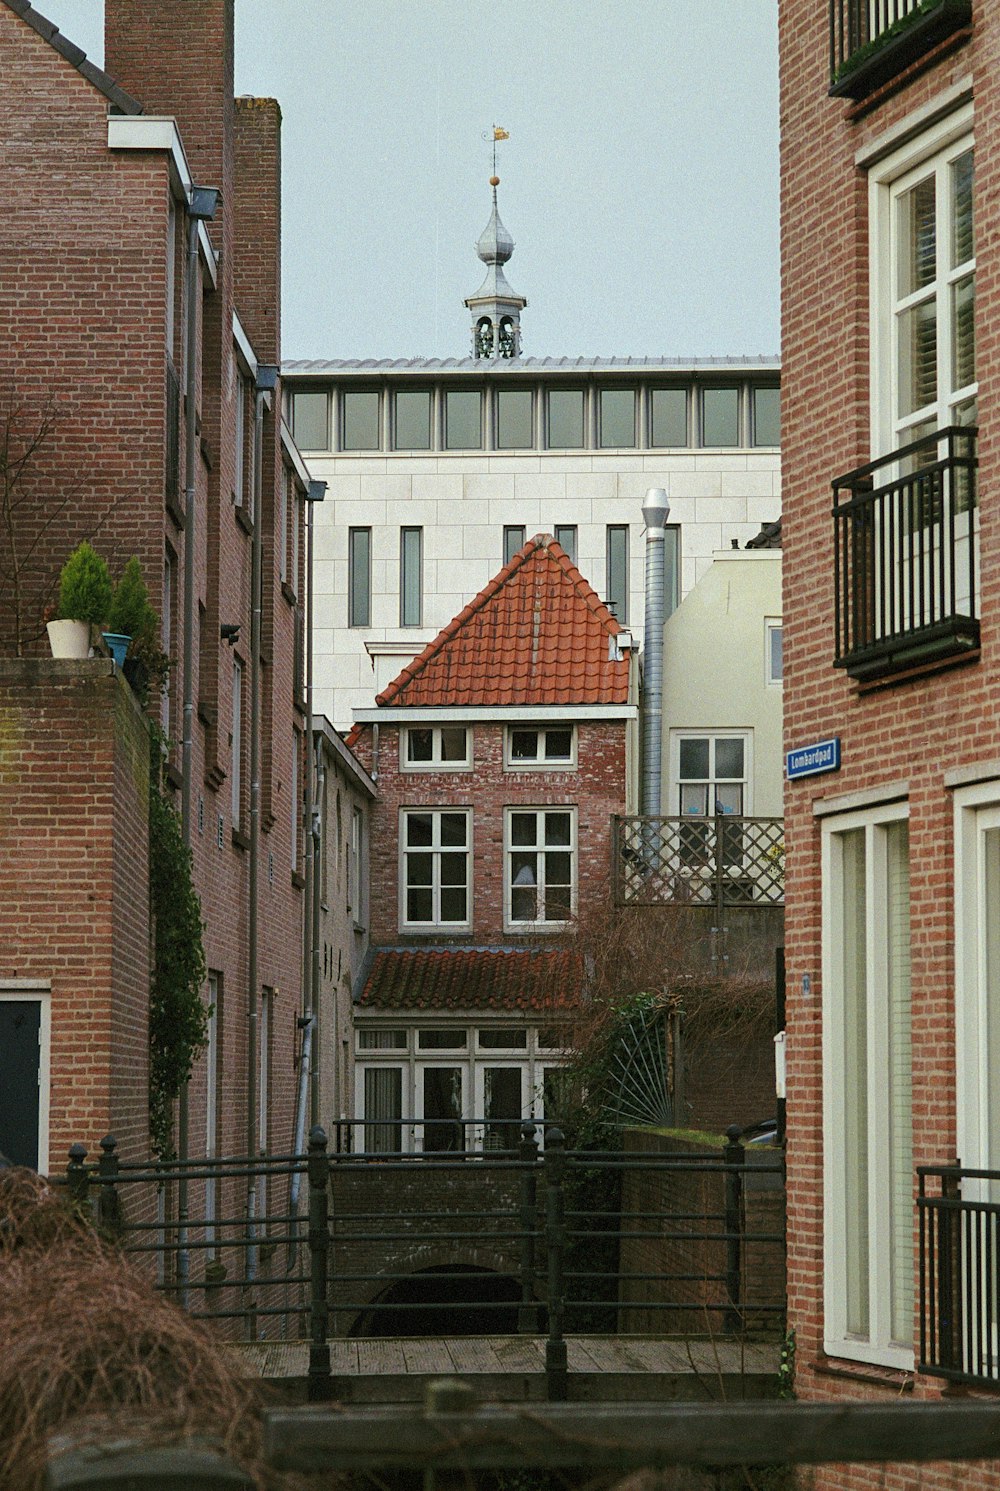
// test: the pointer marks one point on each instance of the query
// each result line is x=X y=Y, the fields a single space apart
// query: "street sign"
x=811 y=760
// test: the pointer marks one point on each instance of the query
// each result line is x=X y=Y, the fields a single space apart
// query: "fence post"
x=319 y=1244
x=110 y=1215
x=554 y=1164
x=949 y=1281
x=735 y=1158
x=76 y=1175
x=527 y=1315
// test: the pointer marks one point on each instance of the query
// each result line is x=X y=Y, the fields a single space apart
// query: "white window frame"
x=540 y=924
x=976 y=811
x=436 y=763
x=28 y=990
x=539 y=762
x=888 y=180
x=877 y=1347
x=677 y=736
x=436 y=848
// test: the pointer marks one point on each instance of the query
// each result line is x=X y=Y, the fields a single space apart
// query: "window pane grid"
x=435 y=868
x=541 y=861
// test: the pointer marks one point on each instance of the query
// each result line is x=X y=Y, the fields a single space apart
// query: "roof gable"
x=121 y=101
x=537 y=634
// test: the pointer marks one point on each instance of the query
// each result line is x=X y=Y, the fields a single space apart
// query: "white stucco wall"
x=463 y=501
x=715 y=670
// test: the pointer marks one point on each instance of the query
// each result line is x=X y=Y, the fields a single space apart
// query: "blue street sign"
x=810 y=760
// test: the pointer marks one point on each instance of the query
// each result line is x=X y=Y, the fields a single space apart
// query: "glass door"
x=440 y=1107
x=500 y=1100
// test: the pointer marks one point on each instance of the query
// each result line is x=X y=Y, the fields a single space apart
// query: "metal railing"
x=959 y=1230
x=719 y=860
x=905 y=556
x=870 y=40
x=557 y=1241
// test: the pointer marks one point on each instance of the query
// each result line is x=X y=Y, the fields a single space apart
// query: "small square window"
x=541 y=746
x=513 y=540
x=566 y=537
x=442 y=1040
x=502 y=1038
x=381 y=1040
x=435 y=748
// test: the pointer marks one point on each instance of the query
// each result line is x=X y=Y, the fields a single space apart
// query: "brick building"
x=116 y=269
x=891 y=631
x=500 y=753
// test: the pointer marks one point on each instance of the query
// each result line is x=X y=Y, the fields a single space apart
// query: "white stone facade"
x=463 y=500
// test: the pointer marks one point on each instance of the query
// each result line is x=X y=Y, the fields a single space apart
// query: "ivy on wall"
x=178 y=1016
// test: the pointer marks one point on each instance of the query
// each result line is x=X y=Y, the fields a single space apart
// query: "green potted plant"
x=130 y=615
x=85 y=594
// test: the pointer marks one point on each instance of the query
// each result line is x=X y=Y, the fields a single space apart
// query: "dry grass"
x=90 y=1349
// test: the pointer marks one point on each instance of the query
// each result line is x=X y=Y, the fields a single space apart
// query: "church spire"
x=496 y=308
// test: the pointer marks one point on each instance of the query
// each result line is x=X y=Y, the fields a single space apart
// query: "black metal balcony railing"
x=959 y=1273
x=905 y=556
x=718 y=861
x=873 y=40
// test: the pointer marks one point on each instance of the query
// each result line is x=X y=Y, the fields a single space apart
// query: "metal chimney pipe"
x=655 y=511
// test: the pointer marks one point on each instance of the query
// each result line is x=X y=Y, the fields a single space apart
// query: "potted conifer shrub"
x=85 y=594
x=130 y=615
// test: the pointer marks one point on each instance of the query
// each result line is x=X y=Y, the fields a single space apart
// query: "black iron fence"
x=715 y=860
x=871 y=40
x=537 y=1241
x=959 y=1226
x=905 y=556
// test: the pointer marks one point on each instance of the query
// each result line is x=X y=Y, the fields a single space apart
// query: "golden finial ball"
x=494 y=181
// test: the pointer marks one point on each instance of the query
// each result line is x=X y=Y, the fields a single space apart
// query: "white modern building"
x=437 y=471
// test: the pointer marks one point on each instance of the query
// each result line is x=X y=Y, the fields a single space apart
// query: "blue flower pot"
x=117 y=645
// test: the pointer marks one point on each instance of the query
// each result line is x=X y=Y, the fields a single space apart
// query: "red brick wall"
x=596 y=788
x=85 y=320
x=914 y=730
x=74 y=840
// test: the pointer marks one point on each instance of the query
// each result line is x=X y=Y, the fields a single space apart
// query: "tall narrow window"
x=411 y=547
x=241 y=460
x=435 y=868
x=767 y=416
x=565 y=536
x=296 y=520
x=311 y=418
x=171 y=286
x=617 y=418
x=565 y=422
x=412 y=419
x=463 y=419
x=541 y=866
x=514 y=419
x=360 y=420
x=617 y=570
x=669 y=411
x=236 y=768
x=671 y=569
x=720 y=416
x=285 y=490
x=513 y=540
x=167 y=626
x=359 y=576
x=868 y=1121
x=296 y=796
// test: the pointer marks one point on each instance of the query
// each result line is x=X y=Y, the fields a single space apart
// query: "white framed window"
x=534 y=746
x=710 y=772
x=774 y=655
x=435 y=748
x=435 y=867
x=26 y=1044
x=923 y=271
x=869 y=1210
x=540 y=866
x=356 y=878
x=977 y=981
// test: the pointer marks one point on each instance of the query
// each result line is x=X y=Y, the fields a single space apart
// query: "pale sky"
x=640 y=180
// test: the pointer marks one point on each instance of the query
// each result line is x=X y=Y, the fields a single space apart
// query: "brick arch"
x=423 y=1261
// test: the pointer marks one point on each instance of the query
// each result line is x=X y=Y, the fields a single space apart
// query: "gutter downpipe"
x=655 y=511
x=308 y=1021
x=201 y=207
x=266 y=382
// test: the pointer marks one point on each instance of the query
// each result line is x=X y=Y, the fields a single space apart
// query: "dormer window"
x=541 y=746
x=435 y=748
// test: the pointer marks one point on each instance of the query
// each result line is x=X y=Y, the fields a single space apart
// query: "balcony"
x=959 y=1224
x=721 y=861
x=905 y=557
x=872 y=41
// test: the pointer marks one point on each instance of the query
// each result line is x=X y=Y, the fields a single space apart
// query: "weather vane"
x=496 y=134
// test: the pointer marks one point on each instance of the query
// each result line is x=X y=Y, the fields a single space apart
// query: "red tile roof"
x=538 y=633
x=540 y=980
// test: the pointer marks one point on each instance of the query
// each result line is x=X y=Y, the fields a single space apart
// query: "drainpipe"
x=655 y=511
x=201 y=207
x=266 y=382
